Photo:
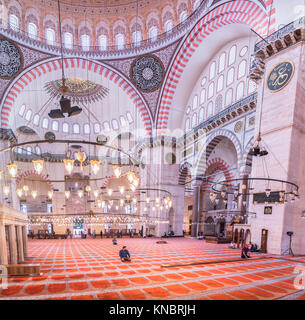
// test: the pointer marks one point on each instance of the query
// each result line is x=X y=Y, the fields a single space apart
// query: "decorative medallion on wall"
x=238 y=126
x=280 y=76
x=147 y=73
x=10 y=59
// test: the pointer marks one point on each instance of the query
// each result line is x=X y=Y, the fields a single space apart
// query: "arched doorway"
x=248 y=236
x=242 y=237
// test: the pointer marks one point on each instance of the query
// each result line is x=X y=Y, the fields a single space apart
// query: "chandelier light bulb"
x=122 y=202
x=12 y=169
x=19 y=192
x=6 y=190
x=95 y=166
x=69 y=164
x=50 y=194
x=99 y=203
x=80 y=193
x=116 y=207
x=109 y=191
x=157 y=200
x=147 y=199
x=25 y=189
x=117 y=170
x=34 y=194
x=95 y=192
x=88 y=189
x=122 y=190
x=38 y=165
x=67 y=194
x=145 y=209
x=170 y=203
x=134 y=200
x=130 y=176
x=128 y=197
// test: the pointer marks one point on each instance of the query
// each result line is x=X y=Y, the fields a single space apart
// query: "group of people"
x=245 y=251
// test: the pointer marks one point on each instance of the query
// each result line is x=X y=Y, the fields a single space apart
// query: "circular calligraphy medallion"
x=10 y=59
x=147 y=73
x=280 y=76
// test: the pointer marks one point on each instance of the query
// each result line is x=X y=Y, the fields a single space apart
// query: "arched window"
x=120 y=41
x=187 y=124
x=13 y=22
x=196 y=4
x=45 y=123
x=55 y=125
x=242 y=69
x=220 y=83
x=232 y=55
x=28 y=115
x=201 y=115
x=32 y=30
x=87 y=129
x=210 y=109
x=240 y=91
x=230 y=76
x=212 y=70
x=129 y=117
x=243 y=51
x=229 y=97
x=106 y=126
x=97 y=128
x=123 y=121
x=115 y=124
x=38 y=150
x=153 y=33
x=195 y=102
x=222 y=62
x=21 y=110
x=102 y=42
x=68 y=40
x=50 y=33
x=218 y=103
x=85 y=42
x=36 y=120
x=202 y=96
x=65 y=127
x=76 y=128
x=194 y=120
x=28 y=150
x=211 y=90
x=203 y=81
x=183 y=16
x=19 y=150
x=137 y=37
x=168 y=26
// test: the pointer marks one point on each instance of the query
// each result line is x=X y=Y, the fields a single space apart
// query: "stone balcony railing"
x=110 y=52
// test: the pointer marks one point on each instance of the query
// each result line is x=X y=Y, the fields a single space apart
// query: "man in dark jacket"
x=124 y=254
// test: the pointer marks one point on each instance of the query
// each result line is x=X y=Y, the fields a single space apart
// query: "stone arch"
x=232 y=12
x=34 y=72
x=183 y=171
x=211 y=141
x=248 y=236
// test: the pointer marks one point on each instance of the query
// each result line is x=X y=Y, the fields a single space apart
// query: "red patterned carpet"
x=90 y=269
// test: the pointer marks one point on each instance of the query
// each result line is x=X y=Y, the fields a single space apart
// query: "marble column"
x=196 y=209
x=3 y=249
x=25 y=242
x=13 y=244
x=20 y=244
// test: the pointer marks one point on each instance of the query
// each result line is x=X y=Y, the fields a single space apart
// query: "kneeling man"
x=124 y=254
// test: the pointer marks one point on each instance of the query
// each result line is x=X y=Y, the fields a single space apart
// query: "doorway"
x=264 y=239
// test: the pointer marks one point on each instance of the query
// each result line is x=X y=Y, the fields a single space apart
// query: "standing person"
x=101 y=234
x=124 y=254
x=94 y=234
x=245 y=252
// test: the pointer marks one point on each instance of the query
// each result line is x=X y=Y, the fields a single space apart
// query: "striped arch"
x=210 y=144
x=28 y=173
x=219 y=165
x=270 y=9
x=183 y=171
x=35 y=72
x=233 y=12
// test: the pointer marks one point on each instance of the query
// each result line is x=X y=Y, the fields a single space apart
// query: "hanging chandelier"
x=13 y=169
x=38 y=165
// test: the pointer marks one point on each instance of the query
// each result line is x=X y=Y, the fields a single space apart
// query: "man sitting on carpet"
x=124 y=254
x=245 y=252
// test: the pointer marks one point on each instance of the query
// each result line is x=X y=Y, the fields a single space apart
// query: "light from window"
x=201 y=115
x=232 y=55
x=187 y=124
x=36 y=120
x=210 y=109
x=55 y=125
x=230 y=77
x=168 y=26
x=76 y=128
x=153 y=33
x=251 y=86
x=243 y=51
x=212 y=70
x=120 y=41
x=115 y=124
x=21 y=110
x=195 y=102
x=123 y=121
x=68 y=40
x=97 y=128
x=240 y=91
x=194 y=120
x=38 y=150
x=65 y=127
x=32 y=30
x=106 y=126
x=102 y=42
x=222 y=62
x=50 y=33
x=202 y=96
x=45 y=123
x=85 y=42
x=137 y=37
x=229 y=97
x=129 y=117
x=242 y=69
x=211 y=90
x=220 y=83
x=28 y=115
x=87 y=129
x=13 y=22
x=28 y=150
